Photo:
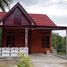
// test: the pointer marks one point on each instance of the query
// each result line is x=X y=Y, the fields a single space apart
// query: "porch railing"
x=12 y=52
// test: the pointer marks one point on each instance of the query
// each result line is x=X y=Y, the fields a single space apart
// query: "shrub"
x=24 y=61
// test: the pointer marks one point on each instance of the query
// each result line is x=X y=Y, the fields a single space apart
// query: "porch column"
x=26 y=37
x=66 y=42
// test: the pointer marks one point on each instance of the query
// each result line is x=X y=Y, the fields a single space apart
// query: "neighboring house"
x=22 y=29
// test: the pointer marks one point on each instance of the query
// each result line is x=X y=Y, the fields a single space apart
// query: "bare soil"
x=8 y=63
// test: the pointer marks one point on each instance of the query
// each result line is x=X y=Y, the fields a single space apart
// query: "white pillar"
x=26 y=37
x=66 y=42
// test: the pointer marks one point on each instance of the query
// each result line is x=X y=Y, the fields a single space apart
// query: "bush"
x=24 y=61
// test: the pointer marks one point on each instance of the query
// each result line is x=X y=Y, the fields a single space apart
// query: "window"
x=7 y=40
x=10 y=39
x=45 y=41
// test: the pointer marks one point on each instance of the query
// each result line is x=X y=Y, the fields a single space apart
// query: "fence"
x=12 y=52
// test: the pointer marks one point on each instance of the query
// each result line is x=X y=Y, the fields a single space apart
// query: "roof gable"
x=17 y=16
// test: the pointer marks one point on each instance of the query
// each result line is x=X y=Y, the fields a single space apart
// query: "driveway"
x=39 y=60
x=42 y=60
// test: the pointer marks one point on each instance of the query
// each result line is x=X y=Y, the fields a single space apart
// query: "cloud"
x=60 y=32
x=50 y=10
x=60 y=21
x=50 y=7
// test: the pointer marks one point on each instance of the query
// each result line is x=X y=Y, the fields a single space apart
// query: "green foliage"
x=54 y=40
x=59 y=43
x=24 y=61
x=5 y=3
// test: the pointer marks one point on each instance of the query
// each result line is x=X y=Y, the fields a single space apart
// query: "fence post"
x=66 y=42
x=26 y=37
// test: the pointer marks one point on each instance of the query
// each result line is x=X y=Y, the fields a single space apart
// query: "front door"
x=36 y=42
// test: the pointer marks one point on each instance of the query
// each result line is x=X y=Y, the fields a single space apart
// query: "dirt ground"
x=11 y=63
x=8 y=63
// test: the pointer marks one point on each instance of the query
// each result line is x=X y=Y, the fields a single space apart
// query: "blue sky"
x=55 y=9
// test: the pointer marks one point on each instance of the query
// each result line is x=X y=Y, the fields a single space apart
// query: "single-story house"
x=22 y=29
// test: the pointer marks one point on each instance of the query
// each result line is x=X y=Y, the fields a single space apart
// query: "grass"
x=61 y=53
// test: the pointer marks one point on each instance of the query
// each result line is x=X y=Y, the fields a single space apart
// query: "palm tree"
x=4 y=3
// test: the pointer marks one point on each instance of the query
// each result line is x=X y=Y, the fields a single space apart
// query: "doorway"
x=10 y=39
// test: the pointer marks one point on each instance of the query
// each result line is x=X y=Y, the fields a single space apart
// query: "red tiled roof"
x=40 y=19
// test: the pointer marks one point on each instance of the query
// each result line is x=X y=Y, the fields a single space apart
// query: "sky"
x=55 y=9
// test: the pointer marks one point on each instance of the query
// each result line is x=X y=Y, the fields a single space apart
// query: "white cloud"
x=53 y=10
x=60 y=32
x=49 y=7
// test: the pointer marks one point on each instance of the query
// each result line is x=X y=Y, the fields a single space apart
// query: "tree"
x=54 y=40
x=59 y=43
x=4 y=3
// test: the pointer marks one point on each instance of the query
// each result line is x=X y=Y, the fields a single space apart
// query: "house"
x=22 y=29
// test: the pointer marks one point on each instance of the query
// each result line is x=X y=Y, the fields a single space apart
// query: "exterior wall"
x=36 y=46
x=36 y=39
x=19 y=37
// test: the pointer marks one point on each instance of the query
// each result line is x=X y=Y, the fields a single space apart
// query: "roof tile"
x=42 y=20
